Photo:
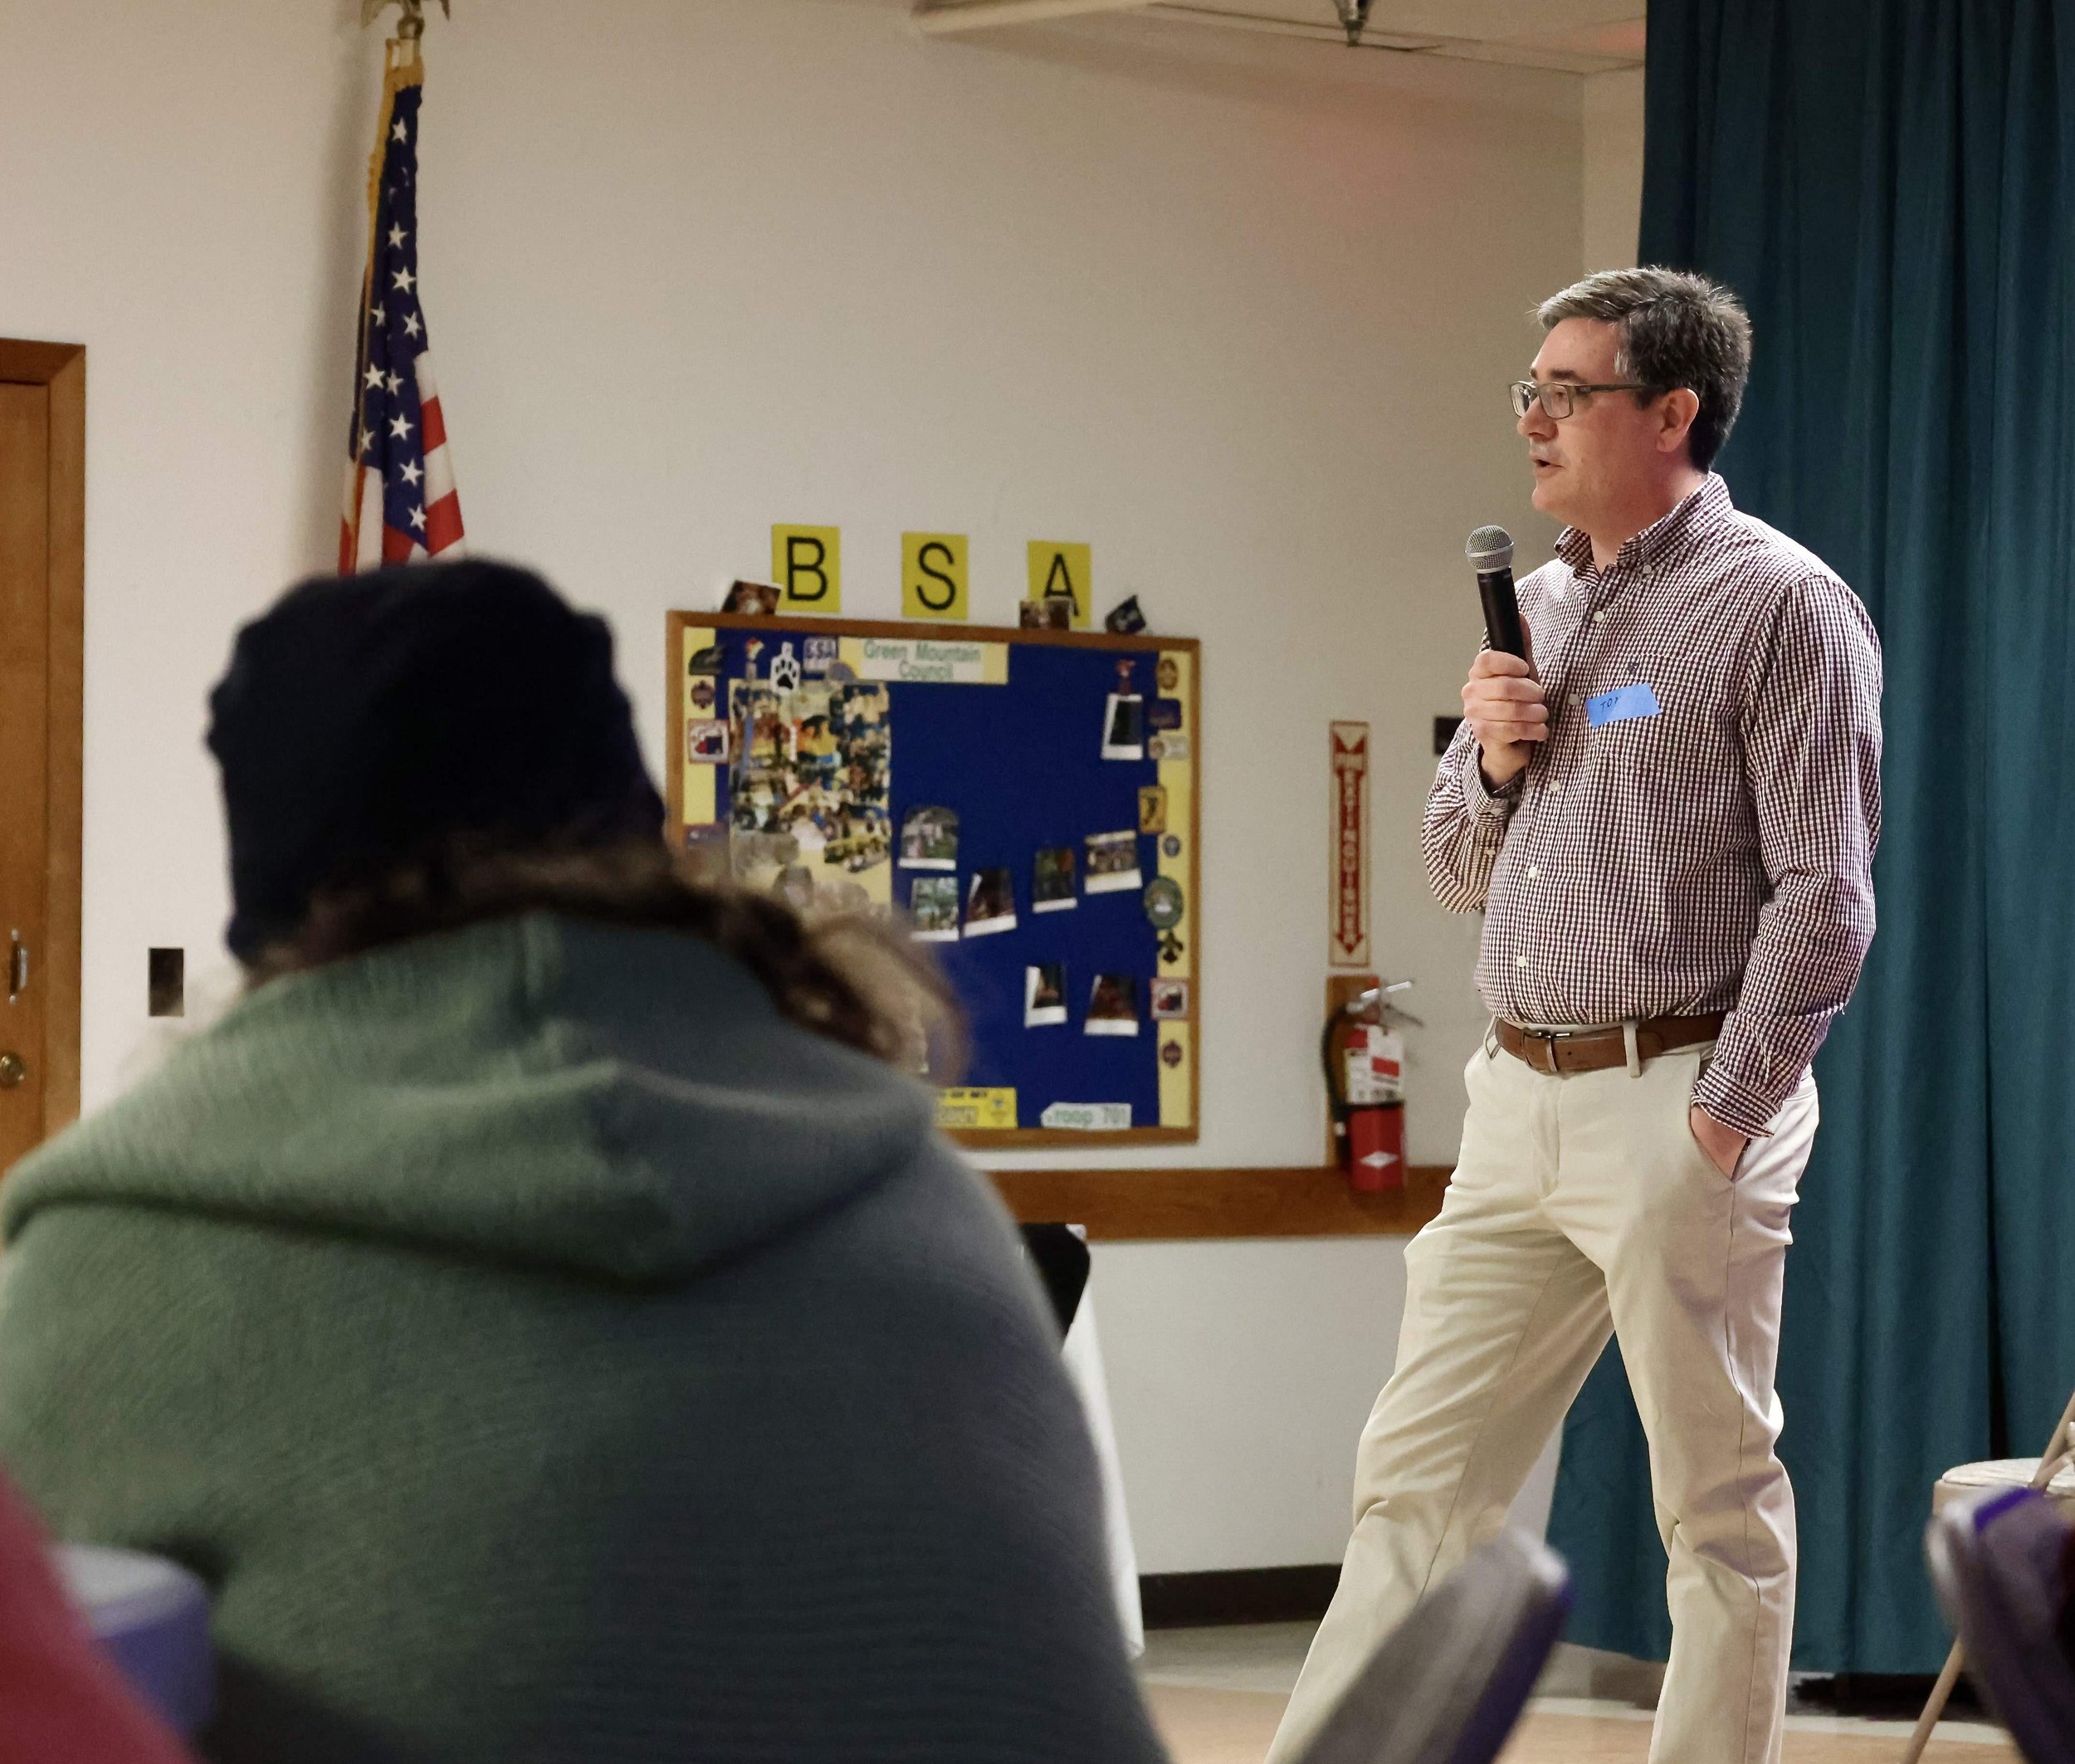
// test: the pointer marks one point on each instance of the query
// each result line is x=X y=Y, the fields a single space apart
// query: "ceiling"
x=1576 y=36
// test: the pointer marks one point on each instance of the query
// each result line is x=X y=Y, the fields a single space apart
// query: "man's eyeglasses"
x=1559 y=397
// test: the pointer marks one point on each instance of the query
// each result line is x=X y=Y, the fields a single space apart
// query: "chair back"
x=1061 y=1256
x=2003 y=1565
x=152 y=1617
x=1448 y=1685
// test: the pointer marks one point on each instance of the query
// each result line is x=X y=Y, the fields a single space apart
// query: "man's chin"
x=1548 y=495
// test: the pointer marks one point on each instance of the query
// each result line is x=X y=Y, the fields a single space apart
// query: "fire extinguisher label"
x=1375 y=1068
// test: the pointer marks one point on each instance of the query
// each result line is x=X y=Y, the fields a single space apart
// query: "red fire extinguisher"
x=1364 y=1060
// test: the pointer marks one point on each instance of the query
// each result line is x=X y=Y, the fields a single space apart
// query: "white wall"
x=1612 y=145
x=1241 y=1374
x=1226 y=307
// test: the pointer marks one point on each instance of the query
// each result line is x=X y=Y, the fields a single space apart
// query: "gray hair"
x=1676 y=330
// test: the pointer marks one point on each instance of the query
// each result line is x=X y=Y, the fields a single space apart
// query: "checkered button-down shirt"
x=1715 y=854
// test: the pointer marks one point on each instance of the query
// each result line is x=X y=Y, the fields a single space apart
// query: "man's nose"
x=1536 y=424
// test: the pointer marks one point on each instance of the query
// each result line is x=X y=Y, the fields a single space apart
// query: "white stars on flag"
x=400 y=503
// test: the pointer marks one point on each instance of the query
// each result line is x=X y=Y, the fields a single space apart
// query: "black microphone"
x=1491 y=555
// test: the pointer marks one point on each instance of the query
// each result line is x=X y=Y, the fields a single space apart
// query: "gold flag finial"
x=411 y=25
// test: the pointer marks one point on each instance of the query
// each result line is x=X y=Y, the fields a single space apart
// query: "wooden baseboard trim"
x=1183 y=1204
x=1181 y=1601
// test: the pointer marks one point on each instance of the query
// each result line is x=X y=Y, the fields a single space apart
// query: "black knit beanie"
x=370 y=720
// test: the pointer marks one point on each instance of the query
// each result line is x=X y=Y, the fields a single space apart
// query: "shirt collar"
x=1696 y=515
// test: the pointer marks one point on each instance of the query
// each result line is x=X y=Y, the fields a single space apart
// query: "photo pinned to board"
x=1152 y=809
x=1124 y=726
x=1113 y=862
x=991 y=906
x=1051 y=879
x=929 y=838
x=933 y=909
x=1113 y=1006
x=1170 y=1000
x=1045 y=995
x=814 y=765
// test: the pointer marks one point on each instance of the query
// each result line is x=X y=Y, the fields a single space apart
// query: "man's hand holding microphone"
x=1502 y=700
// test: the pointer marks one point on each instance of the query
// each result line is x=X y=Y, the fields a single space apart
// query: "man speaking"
x=1667 y=813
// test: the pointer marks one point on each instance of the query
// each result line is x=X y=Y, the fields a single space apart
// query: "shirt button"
x=1520 y=961
x=1599 y=618
x=1533 y=872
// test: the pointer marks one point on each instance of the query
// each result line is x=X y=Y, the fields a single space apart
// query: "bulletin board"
x=1029 y=801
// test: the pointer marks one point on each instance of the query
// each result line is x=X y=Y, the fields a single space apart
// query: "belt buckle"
x=1550 y=1040
x=1546 y=1039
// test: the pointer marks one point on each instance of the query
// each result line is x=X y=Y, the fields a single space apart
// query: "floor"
x=1218 y=1693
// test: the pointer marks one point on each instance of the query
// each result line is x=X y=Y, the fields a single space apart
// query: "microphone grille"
x=1490 y=547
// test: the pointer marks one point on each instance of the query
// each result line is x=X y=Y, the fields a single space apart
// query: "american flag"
x=401 y=505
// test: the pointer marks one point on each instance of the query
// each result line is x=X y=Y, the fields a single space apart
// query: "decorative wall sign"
x=807 y=563
x=1347 y=915
x=1059 y=571
x=934 y=575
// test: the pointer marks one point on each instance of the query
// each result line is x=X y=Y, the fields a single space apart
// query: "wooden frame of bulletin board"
x=1009 y=729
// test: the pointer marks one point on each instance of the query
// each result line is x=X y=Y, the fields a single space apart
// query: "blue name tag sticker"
x=1623 y=703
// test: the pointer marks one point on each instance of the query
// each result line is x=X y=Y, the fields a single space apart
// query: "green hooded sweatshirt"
x=546 y=1351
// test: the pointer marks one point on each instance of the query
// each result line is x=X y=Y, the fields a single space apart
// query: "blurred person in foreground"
x=62 y=1700
x=541 y=1308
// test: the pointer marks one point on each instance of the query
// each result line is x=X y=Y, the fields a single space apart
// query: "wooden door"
x=41 y=544
x=25 y=569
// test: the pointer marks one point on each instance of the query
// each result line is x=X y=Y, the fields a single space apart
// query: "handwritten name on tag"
x=1622 y=704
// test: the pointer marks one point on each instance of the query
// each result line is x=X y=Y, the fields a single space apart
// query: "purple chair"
x=1448 y=1685
x=2004 y=1564
x=152 y=1617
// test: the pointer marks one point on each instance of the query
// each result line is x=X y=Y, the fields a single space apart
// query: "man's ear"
x=1675 y=417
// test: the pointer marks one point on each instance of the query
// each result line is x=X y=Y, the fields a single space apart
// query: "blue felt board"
x=1022 y=765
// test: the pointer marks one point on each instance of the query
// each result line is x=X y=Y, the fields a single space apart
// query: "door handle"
x=17 y=967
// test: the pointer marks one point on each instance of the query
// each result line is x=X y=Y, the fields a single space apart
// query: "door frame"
x=61 y=368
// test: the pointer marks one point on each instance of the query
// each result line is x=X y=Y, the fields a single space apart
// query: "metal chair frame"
x=2059 y=1452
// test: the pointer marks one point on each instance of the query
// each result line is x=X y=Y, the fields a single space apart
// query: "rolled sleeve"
x=1812 y=757
x=1464 y=826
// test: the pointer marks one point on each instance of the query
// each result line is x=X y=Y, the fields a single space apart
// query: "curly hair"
x=848 y=976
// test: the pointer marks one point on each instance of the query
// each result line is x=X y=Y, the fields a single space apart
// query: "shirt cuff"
x=1483 y=803
x=1735 y=1103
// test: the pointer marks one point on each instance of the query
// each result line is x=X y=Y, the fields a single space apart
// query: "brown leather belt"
x=1562 y=1053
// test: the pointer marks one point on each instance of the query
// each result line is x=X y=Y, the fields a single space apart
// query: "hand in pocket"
x=1724 y=1145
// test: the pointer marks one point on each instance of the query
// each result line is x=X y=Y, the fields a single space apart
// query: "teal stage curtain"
x=1891 y=186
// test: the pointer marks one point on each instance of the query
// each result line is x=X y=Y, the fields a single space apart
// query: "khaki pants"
x=1582 y=1205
